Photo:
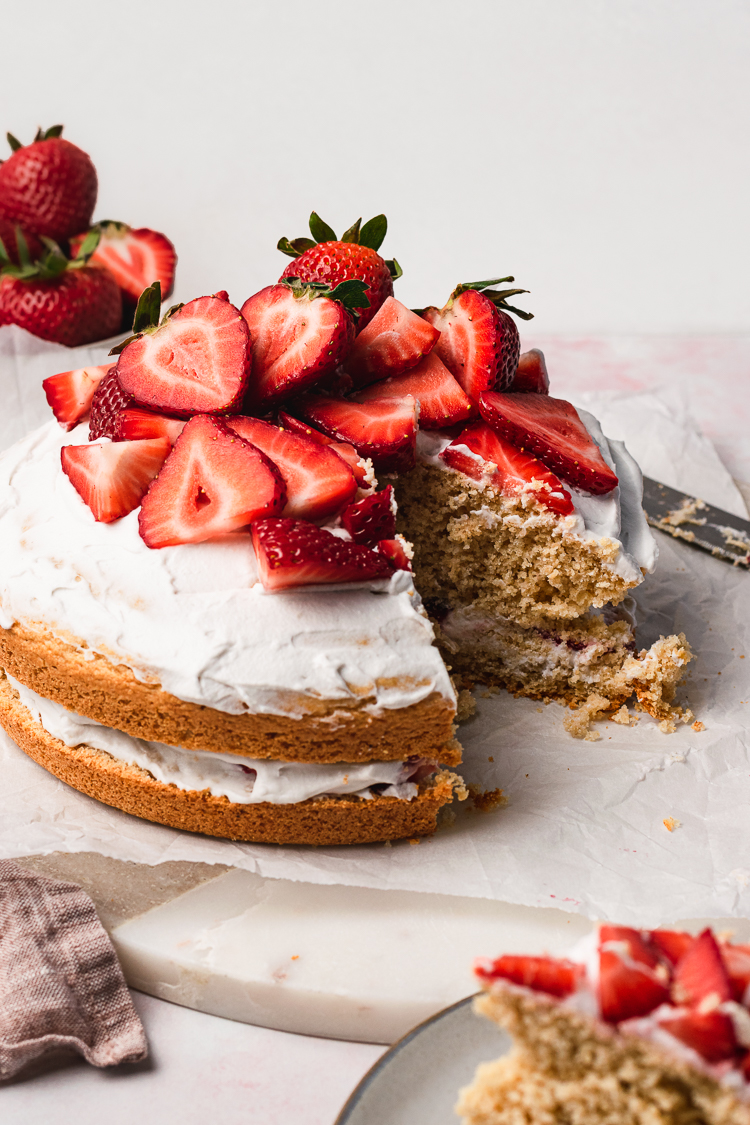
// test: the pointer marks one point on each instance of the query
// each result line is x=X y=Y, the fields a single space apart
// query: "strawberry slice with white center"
x=358 y=465
x=372 y=518
x=299 y=334
x=395 y=550
x=711 y=1034
x=736 y=960
x=318 y=482
x=480 y=454
x=296 y=553
x=196 y=361
x=531 y=374
x=213 y=482
x=385 y=430
x=112 y=478
x=551 y=429
x=133 y=424
x=632 y=979
x=395 y=340
x=671 y=944
x=441 y=401
x=137 y=257
x=71 y=393
x=542 y=974
x=700 y=975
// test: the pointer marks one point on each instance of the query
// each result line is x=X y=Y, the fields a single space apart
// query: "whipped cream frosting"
x=618 y=515
x=195 y=618
x=242 y=780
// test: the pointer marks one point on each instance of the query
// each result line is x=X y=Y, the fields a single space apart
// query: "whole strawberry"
x=326 y=258
x=69 y=303
x=49 y=186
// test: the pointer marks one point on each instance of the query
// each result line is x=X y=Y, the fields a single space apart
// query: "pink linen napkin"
x=61 y=985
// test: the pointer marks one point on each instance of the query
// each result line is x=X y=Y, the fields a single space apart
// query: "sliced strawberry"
x=318 y=482
x=395 y=340
x=196 y=361
x=700 y=973
x=736 y=960
x=131 y=424
x=137 y=258
x=441 y=401
x=395 y=551
x=480 y=454
x=531 y=374
x=357 y=464
x=112 y=478
x=71 y=392
x=551 y=429
x=385 y=431
x=632 y=982
x=298 y=336
x=297 y=553
x=371 y=519
x=671 y=944
x=213 y=482
x=543 y=974
x=109 y=399
x=711 y=1034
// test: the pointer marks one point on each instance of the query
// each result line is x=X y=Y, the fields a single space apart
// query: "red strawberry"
x=212 y=483
x=671 y=944
x=632 y=982
x=441 y=401
x=372 y=518
x=49 y=186
x=318 y=482
x=551 y=429
x=498 y=463
x=298 y=334
x=543 y=974
x=71 y=392
x=736 y=960
x=10 y=243
x=385 y=430
x=352 y=257
x=109 y=399
x=711 y=1034
x=297 y=553
x=132 y=424
x=112 y=479
x=531 y=374
x=356 y=463
x=395 y=551
x=395 y=340
x=700 y=973
x=195 y=361
x=136 y=258
x=478 y=340
x=78 y=306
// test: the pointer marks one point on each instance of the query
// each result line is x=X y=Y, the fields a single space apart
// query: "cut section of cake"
x=634 y=1027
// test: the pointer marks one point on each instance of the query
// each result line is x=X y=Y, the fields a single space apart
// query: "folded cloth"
x=61 y=985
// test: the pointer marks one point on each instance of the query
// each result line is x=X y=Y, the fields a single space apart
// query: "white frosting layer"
x=195 y=618
x=618 y=515
x=245 y=781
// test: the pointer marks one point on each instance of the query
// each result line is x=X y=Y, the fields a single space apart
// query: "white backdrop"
x=595 y=148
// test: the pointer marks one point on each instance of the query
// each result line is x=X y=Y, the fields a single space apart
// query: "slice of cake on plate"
x=634 y=1027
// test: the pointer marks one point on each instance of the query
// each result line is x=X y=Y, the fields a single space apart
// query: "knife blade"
x=695 y=522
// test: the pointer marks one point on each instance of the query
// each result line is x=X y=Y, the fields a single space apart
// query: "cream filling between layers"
x=245 y=781
x=195 y=619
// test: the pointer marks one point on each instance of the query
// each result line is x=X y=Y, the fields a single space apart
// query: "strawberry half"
x=133 y=424
x=318 y=482
x=213 y=482
x=736 y=960
x=395 y=340
x=385 y=431
x=71 y=393
x=700 y=973
x=296 y=553
x=481 y=455
x=112 y=479
x=441 y=401
x=478 y=339
x=543 y=974
x=109 y=399
x=372 y=518
x=711 y=1034
x=671 y=944
x=356 y=463
x=298 y=334
x=395 y=551
x=531 y=374
x=632 y=981
x=551 y=429
x=197 y=360
x=137 y=258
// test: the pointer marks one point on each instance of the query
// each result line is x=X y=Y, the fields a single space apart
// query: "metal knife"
x=693 y=521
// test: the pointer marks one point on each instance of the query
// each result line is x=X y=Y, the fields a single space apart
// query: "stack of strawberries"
x=60 y=278
x=271 y=418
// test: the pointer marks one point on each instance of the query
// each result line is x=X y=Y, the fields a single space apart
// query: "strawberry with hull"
x=49 y=186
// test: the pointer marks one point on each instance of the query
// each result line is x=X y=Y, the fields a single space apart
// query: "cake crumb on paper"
x=670 y=823
x=487 y=800
x=624 y=717
x=466 y=705
x=698 y=726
